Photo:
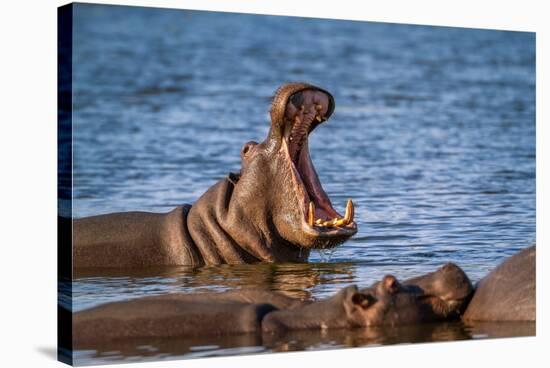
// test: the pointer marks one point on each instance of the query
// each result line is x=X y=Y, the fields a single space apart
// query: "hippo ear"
x=390 y=284
x=362 y=300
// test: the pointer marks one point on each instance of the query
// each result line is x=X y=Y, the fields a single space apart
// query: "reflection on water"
x=155 y=349
x=433 y=137
x=304 y=281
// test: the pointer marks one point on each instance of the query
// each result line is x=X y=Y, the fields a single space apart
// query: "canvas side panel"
x=64 y=183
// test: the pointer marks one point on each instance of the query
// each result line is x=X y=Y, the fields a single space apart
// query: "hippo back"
x=508 y=292
x=166 y=316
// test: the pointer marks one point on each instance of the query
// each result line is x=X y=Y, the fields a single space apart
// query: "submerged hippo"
x=180 y=315
x=447 y=291
x=166 y=317
x=436 y=296
x=245 y=311
x=274 y=210
x=508 y=293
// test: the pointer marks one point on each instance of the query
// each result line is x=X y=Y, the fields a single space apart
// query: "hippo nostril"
x=247 y=147
x=297 y=100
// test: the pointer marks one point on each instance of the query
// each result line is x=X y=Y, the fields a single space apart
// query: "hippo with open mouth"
x=274 y=210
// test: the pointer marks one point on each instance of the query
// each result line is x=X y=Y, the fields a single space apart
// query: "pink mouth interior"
x=304 y=111
x=315 y=192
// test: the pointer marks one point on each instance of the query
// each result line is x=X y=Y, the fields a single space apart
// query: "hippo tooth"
x=311 y=213
x=348 y=217
x=339 y=222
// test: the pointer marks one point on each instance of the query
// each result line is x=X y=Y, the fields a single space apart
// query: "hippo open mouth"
x=306 y=110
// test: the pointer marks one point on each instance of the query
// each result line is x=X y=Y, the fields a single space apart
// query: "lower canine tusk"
x=339 y=222
x=311 y=213
x=350 y=211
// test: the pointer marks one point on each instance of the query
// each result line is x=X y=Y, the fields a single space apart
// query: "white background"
x=28 y=204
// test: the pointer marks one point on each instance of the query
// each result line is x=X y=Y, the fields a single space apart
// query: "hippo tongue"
x=323 y=206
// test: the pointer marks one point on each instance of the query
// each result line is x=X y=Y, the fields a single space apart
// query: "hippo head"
x=436 y=296
x=387 y=302
x=275 y=209
x=279 y=177
x=448 y=289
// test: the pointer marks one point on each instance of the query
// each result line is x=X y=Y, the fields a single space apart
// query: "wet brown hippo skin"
x=134 y=239
x=166 y=317
x=394 y=303
x=508 y=293
x=180 y=315
x=446 y=291
x=274 y=210
x=338 y=311
x=250 y=310
x=386 y=303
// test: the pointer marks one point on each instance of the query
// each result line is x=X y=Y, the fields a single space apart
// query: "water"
x=433 y=137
